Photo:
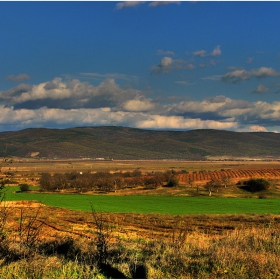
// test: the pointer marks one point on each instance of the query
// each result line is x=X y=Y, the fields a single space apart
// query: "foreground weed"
x=103 y=236
x=249 y=253
x=51 y=268
x=29 y=227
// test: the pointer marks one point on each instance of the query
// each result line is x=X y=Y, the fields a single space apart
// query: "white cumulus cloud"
x=202 y=53
x=216 y=52
x=128 y=4
x=167 y=64
x=258 y=128
x=260 y=89
x=241 y=74
x=139 y=105
x=178 y=122
x=18 y=78
x=163 y=3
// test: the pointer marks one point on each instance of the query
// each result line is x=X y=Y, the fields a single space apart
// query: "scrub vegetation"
x=124 y=143
x=70 y=244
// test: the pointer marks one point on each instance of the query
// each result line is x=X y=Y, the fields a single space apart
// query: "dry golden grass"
x=190 y=246
x=21 y=204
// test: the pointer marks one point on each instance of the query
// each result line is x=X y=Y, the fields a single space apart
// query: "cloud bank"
x=60 y=103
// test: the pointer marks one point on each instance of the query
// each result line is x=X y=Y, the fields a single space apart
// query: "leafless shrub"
x=29 y=226
x=19 y=241
x=103 y=236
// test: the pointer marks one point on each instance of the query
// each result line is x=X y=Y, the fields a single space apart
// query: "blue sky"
x=150 y=65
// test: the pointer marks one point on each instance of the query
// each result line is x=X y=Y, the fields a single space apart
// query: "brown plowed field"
x=65 y=223
x=229 y=174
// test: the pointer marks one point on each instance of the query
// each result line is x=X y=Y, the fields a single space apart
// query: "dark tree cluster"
x=105 y=181
x=256 y=185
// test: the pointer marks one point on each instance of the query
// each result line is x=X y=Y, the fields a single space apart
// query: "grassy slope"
x=129 y=143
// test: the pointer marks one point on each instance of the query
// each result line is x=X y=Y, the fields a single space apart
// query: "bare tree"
x=213 y=185
x=225 y=180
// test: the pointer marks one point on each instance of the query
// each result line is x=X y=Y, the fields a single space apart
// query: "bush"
x=256 y=185
x=173 y=182
x=24 y=187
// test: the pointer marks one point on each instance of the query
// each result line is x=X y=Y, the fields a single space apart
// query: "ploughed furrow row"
x=235 y=174
x=229 y=174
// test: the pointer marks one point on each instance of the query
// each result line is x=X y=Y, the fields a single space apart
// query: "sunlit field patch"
x=151 y=204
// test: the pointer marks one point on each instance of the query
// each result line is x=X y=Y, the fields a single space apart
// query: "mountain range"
x=114 y=142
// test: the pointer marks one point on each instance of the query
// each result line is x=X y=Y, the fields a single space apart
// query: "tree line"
x=105 y=181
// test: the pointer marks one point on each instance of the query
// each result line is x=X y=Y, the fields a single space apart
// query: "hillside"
x=131 y=143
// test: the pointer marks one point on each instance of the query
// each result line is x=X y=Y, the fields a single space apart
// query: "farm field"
x=189 y=197
x=22 y=165
x=177 y=232
x=65 y=244
x=233 y=174
x=29 y=170
x=146 y=204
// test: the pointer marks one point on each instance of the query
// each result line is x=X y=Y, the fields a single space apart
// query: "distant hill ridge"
x=116 y=142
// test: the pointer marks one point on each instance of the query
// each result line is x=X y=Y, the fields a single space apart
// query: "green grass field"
x=173 y=205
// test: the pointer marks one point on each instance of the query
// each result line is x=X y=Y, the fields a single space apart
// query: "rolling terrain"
x=130 y=143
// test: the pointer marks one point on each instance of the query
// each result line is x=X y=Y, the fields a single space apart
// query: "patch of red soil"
x=229 y=174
